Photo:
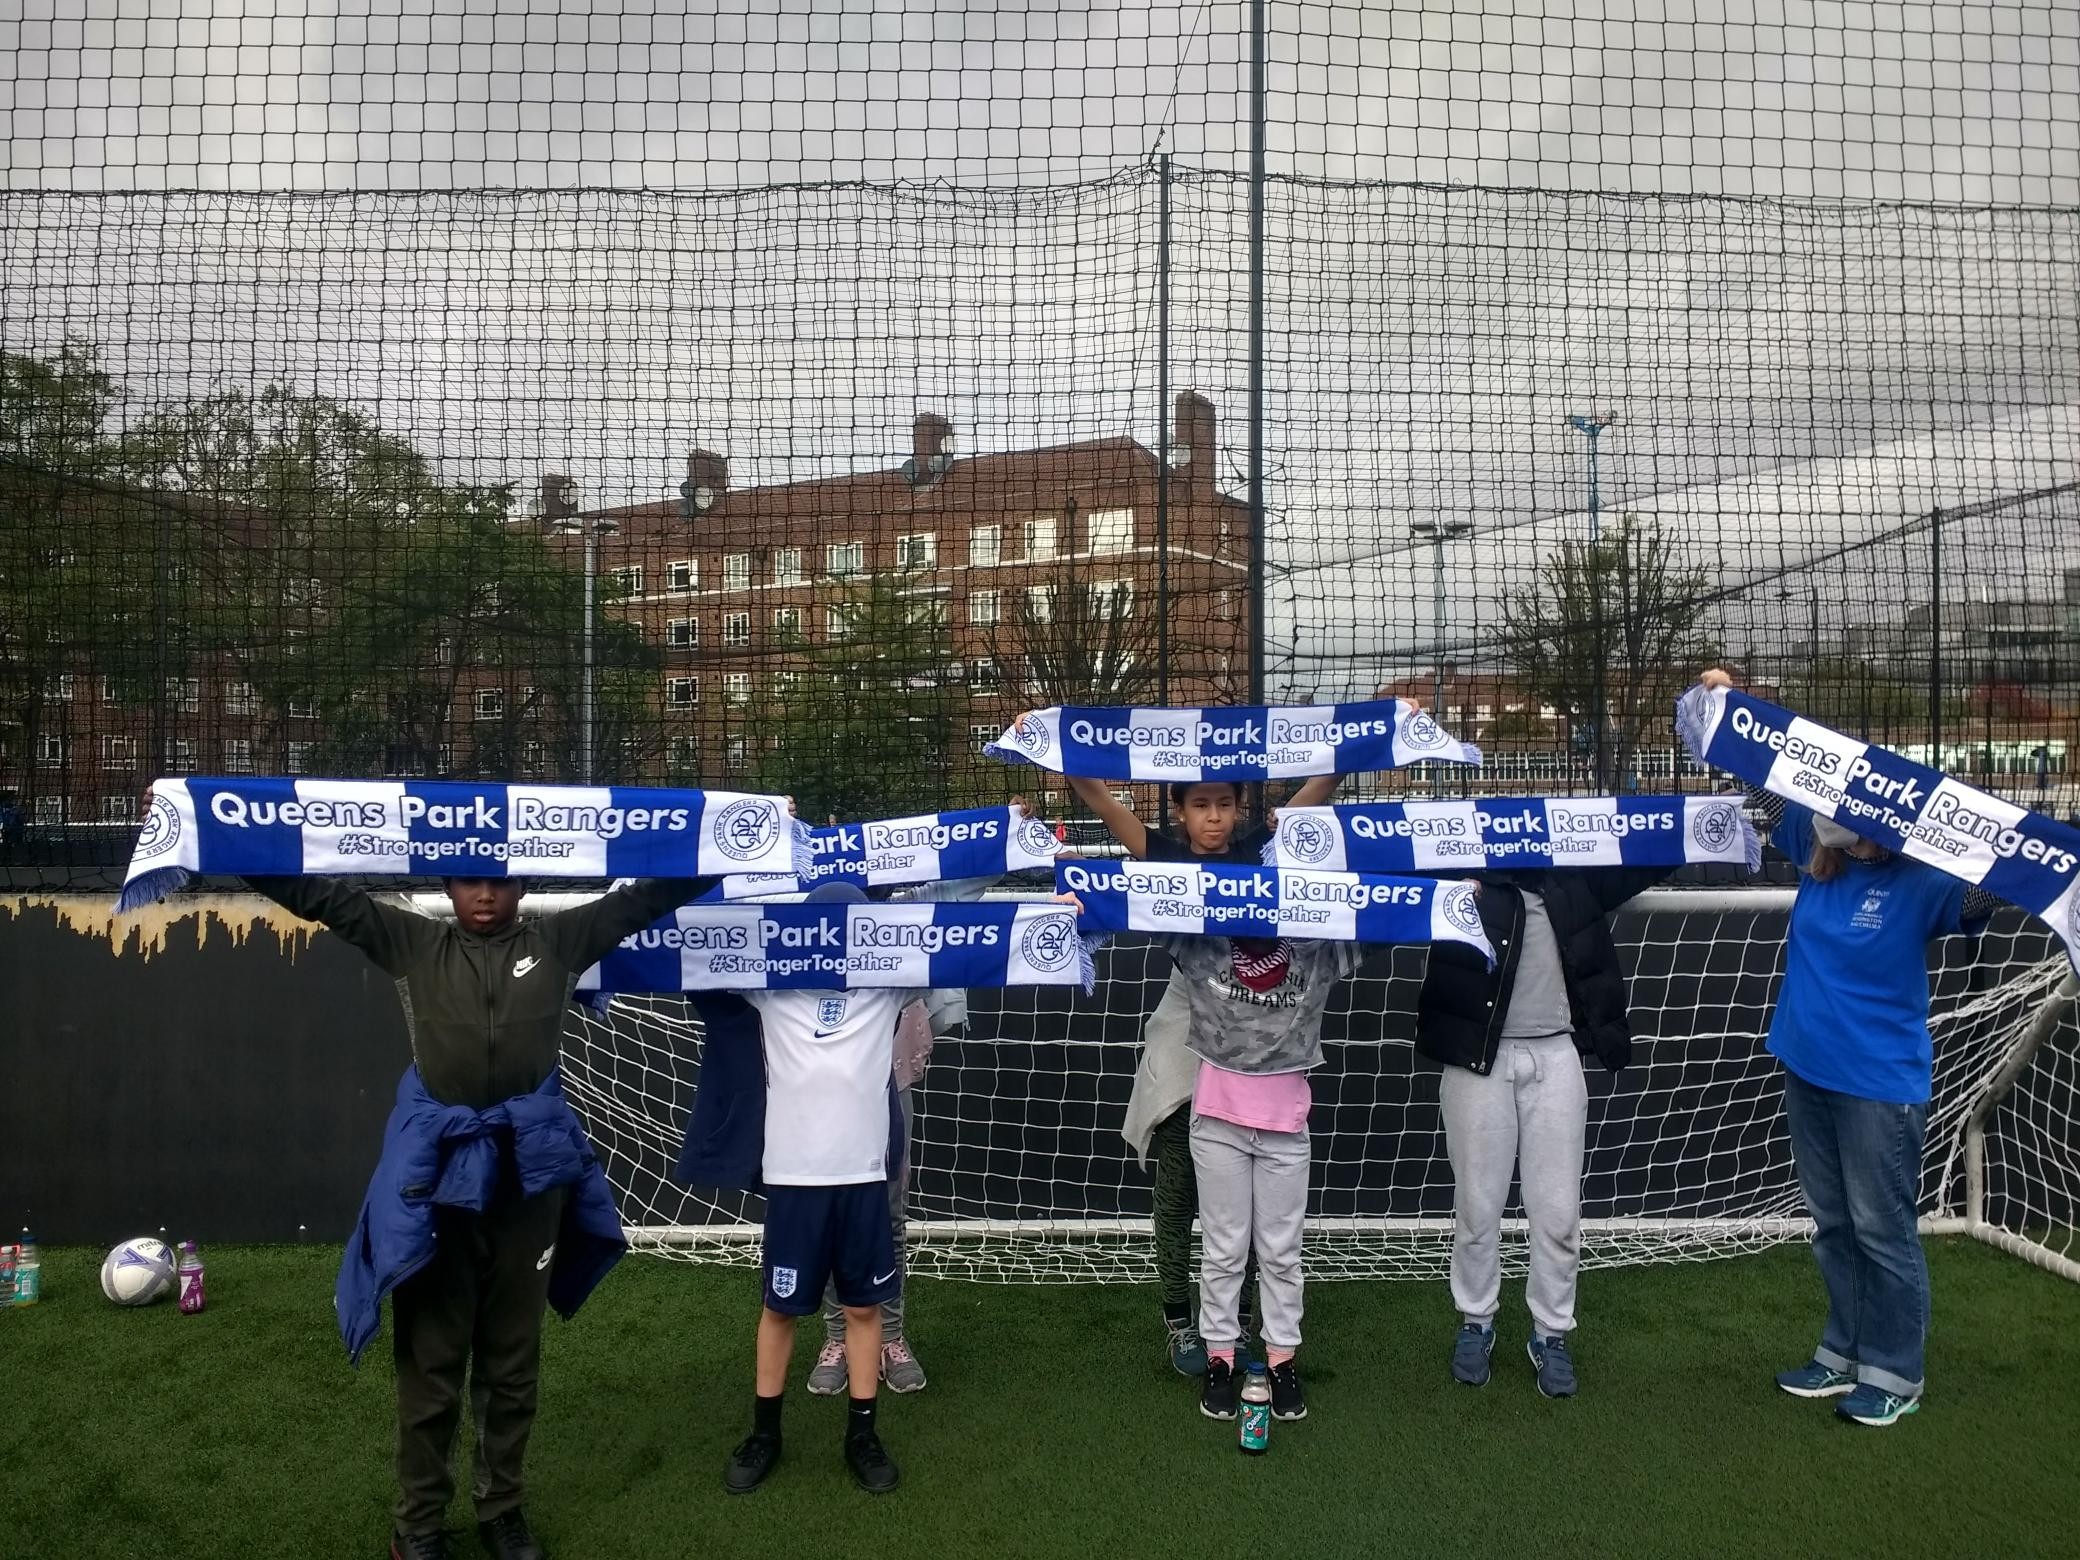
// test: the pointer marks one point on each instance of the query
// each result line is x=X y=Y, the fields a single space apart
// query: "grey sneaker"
x=899 y=1367
x=1555 y=1366
x=1187 y=1349
x=830 y=1376
x=1470 y=1354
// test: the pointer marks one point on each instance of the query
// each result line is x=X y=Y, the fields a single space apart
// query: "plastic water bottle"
x=6 y=1275
x=1254 y=1422
x=188 y=1271
x=28 y=1272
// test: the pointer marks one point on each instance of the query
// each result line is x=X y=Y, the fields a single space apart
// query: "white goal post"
x=1020 y=1174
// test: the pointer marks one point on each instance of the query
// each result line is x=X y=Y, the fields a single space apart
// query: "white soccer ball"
x=138 y=1272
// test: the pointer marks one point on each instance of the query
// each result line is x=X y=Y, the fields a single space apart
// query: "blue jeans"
x=1859 y=1165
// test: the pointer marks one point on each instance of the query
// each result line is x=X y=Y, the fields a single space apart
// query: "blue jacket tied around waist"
x=449 y=1156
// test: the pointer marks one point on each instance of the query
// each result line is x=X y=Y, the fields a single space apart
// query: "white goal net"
x=1019 y=1173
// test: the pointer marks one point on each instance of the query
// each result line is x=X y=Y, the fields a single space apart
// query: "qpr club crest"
x=1029 y=736
x=1420 y=732
x=1049 y=943
x=1309 y=841
x=746 y=829
x=1716 y=826
x=1461 y=908
x=1036 y=838
x=783 y=1283
x=161 y=830
x=830 y=1012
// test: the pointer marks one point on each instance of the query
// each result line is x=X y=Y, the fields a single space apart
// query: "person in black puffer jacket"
x=1511 y=1041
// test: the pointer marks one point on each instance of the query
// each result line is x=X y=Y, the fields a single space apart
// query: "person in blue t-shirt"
x=1851 y=1030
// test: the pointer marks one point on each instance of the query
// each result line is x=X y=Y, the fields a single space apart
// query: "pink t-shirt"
x=1269 y=1102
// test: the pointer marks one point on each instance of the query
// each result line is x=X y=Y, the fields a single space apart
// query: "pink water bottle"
x=188 y=1271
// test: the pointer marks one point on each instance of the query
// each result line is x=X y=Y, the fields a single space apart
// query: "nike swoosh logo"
x=544 y=1262
x=524 y=966
x=885 y=1277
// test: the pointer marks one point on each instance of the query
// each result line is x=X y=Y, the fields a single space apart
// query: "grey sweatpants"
x=899 y=1223
x=1252 y=1193
x=1531 y=1110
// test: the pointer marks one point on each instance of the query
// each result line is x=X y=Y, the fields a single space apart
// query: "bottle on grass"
x=188 y=1273
x=1253 y=1424
x=28 y=1272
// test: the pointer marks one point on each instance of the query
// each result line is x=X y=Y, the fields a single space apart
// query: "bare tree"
x=1070 y=640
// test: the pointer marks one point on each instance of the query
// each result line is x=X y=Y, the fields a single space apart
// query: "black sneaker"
x=873 y=1470
x=418 y=1546
x=1217 y=1393
x=506 y=1536
x=1287 y=1400
x=750 y=1463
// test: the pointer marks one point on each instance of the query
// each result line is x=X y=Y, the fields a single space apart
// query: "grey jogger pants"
x=1531 y=1110
x=1252 y=1194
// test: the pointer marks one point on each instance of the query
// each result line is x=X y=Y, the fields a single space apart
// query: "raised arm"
x=1316 y=790
x=1118 y=818
x=582 y=936
x=390 y=936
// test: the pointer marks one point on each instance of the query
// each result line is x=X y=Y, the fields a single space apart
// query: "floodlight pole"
x=1257 y=25
x=1593 y=426
x=1435 y=532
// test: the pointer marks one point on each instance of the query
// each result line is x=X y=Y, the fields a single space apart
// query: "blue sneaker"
x=1555 y=1366
x=1814 y=1380
x=1470 y=1354
x=1874 y=1406
x=1187 y=1349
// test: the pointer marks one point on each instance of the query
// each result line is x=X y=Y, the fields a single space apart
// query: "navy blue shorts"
x=820 y=1233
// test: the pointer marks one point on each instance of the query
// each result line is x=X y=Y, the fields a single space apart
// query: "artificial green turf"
x=1053 y=1427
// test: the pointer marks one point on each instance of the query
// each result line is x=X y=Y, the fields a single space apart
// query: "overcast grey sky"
x=1426 y=345
x=1973 y=101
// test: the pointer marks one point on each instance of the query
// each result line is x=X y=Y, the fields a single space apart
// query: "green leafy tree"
x=867 y=723
x=1607 y=633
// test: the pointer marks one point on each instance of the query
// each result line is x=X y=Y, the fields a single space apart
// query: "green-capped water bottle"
x=1253 y=1424
x=28 y=1271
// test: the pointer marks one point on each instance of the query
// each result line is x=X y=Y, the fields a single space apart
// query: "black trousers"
x=474 y=1313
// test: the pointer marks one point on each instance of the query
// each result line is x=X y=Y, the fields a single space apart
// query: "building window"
x=50 y=809
x=981 y=737
x=50 y=748
x=118 y=752
x=846 y=558
x=787 y=622
x=926 y=612
x=1040 y=603
x=238 y=756
x=682 y=633
x=628 y=580
x=118 y=809
x=180 y=756
x=984 y=677
x=1040 y=533
x=682 y=693
x=736 y=754
x=736 y=628
x=1113 y=599
x=303 y=709
x=985 y=546
x=59 y=688
x=297 y=757
x=531 y=757
x=985 y=609
x=682 y=575
x=108 y=690
x=1112 y=530
x=241 y=699
x=184 y=693
x=444 y=651
x=683 y=754
x=787 y=566
x=736 y=688
x=920 y=550
x=736 y=572
x=837 y=622
x=490 y=703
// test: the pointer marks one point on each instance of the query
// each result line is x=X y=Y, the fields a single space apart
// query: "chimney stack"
x=931 y=449
x=1192 y=448
x=707 y=479
x=559 y=497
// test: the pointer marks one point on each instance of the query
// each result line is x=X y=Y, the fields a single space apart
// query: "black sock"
x=1179 y=1315
x=859 y=1417
x=765 y=1418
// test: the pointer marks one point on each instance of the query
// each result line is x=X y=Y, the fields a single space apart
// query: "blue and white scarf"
x=1241 y=743
x=448 y=828
x=1515 y=833
x=837 y=947
x=982 y=842
x=1922 y=813
x=1221 y=900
